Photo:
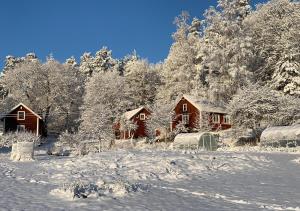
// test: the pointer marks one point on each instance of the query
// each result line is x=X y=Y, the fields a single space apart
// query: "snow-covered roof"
x=205 y=105
x=129 y=114
x=22 y=104
x=281 y=133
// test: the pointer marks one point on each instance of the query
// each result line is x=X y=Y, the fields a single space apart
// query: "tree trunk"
x=46 y=119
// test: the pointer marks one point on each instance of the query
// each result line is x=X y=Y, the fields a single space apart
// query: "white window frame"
x=226 y=119
x=216 y=118
x=184 y=107
x=142 y=116
x=185 y=119
x=19 y=127
x=18 y=116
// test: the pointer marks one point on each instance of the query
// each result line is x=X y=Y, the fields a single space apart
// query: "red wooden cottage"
x=22 y=118
x=196 y=113
x=137 y=117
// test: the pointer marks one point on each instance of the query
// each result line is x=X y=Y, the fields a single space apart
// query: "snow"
x=152 y=179
x=129 y=114
x=281 y=133
x=203 y=105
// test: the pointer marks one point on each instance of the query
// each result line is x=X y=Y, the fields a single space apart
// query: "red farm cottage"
x=22 y=118
x=137 y=117
x=195 y=113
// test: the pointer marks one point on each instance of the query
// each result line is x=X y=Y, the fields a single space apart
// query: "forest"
x=246 y=59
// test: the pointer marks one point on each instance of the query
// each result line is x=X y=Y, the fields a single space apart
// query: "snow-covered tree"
x=256 y=107
x=104 y=102
x=179 y=69
x=225 y=50
x=128 y=126
x=160 y=119
x=275 y=31
x=142 y=81
x=286 y=76
x=71 y=61
x=50 y=89
x=101 y=62
x=203 y=122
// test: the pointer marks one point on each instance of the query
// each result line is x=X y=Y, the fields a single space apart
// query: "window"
x=142 y=116
x=216 y=118
x=185 y=119
x=21 y=115
x=184 y=107
x=227 y=119
x=20 y=128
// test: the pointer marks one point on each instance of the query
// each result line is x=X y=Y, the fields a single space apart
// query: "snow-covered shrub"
x=8 y=139
x=69 y=142
x=80 y=189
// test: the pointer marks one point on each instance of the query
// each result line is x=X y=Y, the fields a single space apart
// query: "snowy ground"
x=154 y=180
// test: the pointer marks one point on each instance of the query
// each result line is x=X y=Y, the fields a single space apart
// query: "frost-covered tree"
x=286 y=76
x=51 y=89
x=142 y=81
x=225 y=50
x=179 y=69
x=71 y=62
x=86 y=64
x=275 y=31
x=128 y=126
x=160 y=120
x=101 y=62
x=203 y=122
x=257 y=107
x=104 y=102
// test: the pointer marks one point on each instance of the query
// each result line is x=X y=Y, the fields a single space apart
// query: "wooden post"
x=37 y=126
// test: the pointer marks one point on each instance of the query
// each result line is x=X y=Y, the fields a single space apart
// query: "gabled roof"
x=204 y=105
x=129 y=114
x=21 y=104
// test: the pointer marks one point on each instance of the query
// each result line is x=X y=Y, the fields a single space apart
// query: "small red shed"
x=192 y=112
x=138 y=117
x=22 y=118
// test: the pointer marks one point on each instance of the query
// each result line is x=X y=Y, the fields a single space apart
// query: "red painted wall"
x=194 y=115
x=30 y=122
x=140 y=132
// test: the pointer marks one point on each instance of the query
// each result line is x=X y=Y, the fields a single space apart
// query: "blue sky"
x=72 y=27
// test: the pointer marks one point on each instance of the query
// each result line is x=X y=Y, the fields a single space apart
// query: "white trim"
x=18 y=116
x=226 y=117
x=21 y=104
x=217 y=120
x=37 y=126
x=184 y=107
x=142 y=116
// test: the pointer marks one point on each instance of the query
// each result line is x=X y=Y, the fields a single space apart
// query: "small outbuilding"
x=22 y=118
x=281 y=136
x=135 y=117
x=205 y=140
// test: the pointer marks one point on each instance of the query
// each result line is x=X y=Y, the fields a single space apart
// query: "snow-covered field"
x=150 y=179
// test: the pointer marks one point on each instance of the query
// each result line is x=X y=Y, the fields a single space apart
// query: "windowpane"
x=21 y=115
